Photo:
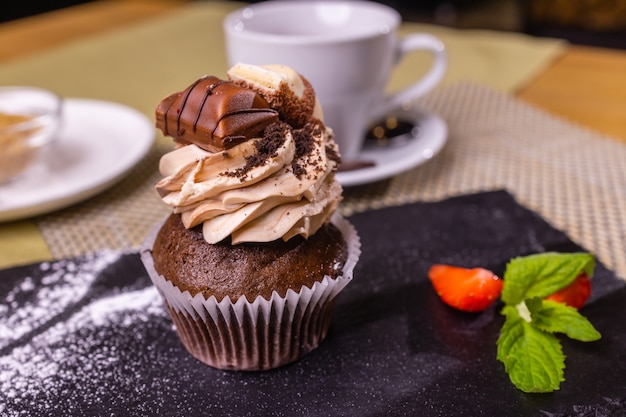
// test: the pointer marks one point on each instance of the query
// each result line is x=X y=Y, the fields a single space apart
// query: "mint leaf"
x=556 y=317
x=527 y=346
x=533 y=358
x=543 y=274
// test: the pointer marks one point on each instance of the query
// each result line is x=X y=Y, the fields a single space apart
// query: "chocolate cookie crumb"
x=332 y=154
x=305 y=143
x=266 y=148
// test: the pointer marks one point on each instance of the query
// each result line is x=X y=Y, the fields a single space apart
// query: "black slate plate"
x=88 y=336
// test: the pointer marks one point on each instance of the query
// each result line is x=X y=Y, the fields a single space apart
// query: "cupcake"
x=253 y=256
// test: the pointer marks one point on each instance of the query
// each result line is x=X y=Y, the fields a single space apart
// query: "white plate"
x=424 y=142
x=98 y=143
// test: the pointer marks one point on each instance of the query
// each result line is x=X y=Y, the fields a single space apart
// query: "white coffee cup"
x=346 y=49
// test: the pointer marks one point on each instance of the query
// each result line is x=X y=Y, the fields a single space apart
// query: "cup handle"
x=418 y=41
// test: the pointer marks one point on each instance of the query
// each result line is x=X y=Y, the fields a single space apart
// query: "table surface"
x=586 y=85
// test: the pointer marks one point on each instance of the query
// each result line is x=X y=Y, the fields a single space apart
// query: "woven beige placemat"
x=573 y=177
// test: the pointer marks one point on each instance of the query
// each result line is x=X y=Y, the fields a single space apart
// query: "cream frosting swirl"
x=276 y=185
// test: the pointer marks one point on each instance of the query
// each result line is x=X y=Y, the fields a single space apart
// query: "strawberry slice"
x=575 y=294
x=465 y=289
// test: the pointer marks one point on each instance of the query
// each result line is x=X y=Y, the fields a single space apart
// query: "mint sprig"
x=527 y=346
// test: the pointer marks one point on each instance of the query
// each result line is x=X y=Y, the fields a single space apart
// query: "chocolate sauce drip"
x=165 y=127
x=186 y=95
x=208 y=92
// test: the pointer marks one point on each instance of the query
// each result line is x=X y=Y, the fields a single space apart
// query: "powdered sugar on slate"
x=66 y=327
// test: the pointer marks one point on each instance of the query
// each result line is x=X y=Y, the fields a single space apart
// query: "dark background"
x=11 y=9
x=586 y=22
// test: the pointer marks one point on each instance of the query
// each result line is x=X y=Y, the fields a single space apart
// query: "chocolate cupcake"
x=253 y=257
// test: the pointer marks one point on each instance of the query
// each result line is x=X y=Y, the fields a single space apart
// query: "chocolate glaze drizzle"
x=208 y=92
x=186 y=95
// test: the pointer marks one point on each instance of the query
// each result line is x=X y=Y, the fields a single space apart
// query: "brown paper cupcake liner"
x=258 y=335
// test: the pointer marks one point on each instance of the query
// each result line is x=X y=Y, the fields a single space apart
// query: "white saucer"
x=424 y=142
x=98 y=143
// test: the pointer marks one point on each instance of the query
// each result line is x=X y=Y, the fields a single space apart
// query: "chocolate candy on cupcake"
x=253 y=256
